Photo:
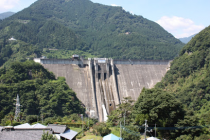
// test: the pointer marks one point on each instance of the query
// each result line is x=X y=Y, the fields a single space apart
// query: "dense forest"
x=91 y=28
x=188 y=80
x=39 y=91
x=188 y=77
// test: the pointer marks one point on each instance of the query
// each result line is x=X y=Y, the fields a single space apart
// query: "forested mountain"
x=103 y=31
x=38 y=89
x=188 y=78
x=181 y=101
x=6 y=14
x=186 y=39
x=33 y=37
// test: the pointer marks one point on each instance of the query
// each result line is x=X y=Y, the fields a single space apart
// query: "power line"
x=177 y=128
x=134 y=133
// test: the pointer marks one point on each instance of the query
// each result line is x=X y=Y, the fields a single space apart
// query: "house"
x=11 y=133
x=57 y=128
x=35 y=132
x=152 y=138
x=63 y=132
x=12 y=39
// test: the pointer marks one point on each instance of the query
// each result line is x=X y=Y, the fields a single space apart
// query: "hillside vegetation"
x=99 y=30
x=39 y=91
x=188 y=78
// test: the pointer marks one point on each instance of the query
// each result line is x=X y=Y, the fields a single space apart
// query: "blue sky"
x=181 y=18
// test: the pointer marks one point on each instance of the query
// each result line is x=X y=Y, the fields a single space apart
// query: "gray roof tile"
x=69 y=134
x=23 y=134
x=57 y=128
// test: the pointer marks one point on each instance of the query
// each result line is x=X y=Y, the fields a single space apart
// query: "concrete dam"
x=101 y=83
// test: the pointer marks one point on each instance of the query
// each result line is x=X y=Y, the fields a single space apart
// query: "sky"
x=181 y=18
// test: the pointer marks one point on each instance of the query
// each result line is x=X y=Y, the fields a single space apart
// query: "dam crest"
x=101 y=83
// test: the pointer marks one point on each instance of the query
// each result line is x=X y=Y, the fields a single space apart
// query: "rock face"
x=101 y=83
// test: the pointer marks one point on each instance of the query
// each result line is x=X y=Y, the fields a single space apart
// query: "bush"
x=131 y=133
x=31 y=118
x=49 y=120
x=102 y=129
x=47 y=136
x=16 y=123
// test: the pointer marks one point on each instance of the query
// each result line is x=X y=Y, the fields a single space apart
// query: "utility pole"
x=88 y=123
x=42 y=118
x=88 y=113
x=41 y=113
x=155 y=130
x=124 y=119
x=82 y=125
x=145 y=130
x=120 y=130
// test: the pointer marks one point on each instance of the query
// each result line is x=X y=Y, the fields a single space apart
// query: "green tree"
x=189 y=120
x=1 y=115
x=158 y=107
x=39 y=92
x=123 y=110
x=101 y=129
x=131 y=132
x=11 y=118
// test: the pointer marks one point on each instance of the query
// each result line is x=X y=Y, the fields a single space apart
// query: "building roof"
x=152 y=138
x=111 y=137
x=23 y=134
x=38 y=125
x=69 y=134
x=25 y=125
x=11 y=39
x=57 y=128
x=35 y=132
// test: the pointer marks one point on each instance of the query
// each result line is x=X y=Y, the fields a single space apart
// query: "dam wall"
x=79 y=79
x=131 y=79
x=101 y=83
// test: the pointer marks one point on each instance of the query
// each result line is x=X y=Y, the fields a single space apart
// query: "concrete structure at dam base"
x=101 y=83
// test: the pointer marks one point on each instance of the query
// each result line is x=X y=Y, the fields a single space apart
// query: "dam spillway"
x=101 y=83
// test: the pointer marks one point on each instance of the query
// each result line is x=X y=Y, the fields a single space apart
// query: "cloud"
x=6 y=5
x=179 y=26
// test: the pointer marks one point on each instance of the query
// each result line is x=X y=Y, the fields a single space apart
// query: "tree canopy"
x=39 y=91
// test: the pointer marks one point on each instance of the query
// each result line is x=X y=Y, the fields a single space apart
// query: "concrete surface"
x=105 y=82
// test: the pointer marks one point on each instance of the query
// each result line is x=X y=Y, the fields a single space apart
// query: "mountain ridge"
x=103 y=31
x=6 y=15
x=186 y=39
